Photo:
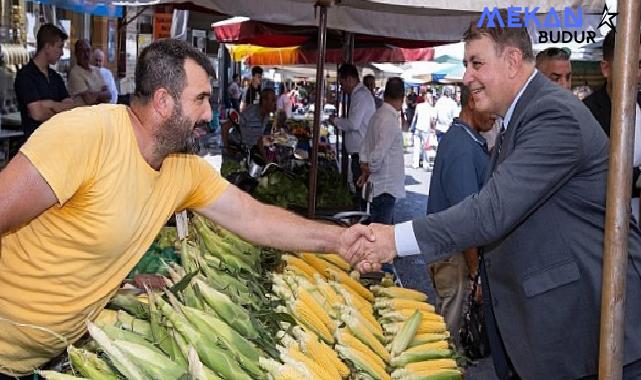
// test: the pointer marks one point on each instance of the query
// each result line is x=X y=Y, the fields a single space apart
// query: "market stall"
x=235 y=311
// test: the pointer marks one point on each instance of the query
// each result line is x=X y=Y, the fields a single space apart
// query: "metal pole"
x=318 y=106
x=337 y=104
x=348 y=55
x=617 y=217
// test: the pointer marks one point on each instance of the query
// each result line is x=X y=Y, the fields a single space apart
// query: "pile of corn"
x=228 y=315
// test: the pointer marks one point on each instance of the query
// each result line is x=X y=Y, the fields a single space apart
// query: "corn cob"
x=413 y=357
x=400 y=293
x=367 y=337
x=361 y=362
x=228 y=311
x=346 y=280
x=428 y=338
x=431 y=364
x=290 y=269
x=213 y=356
x=280 y=371
x=405 y=335
x=404 y=314
x=128 y=322
x=367 y=320
x=441 y=344
x=330 y=294
x=152 y=362
x=436 y=374
x=319 y=371
x=227 y=338
x=345 y=338
x=197 y=371
x=352 y=298
x=424 y=327
x=90 y=365
x=337 y=260
x=161 y=336
x=304 y=296
x=301 y=265
x=53 y=375
x=399 y=304
x=121 y=361
x=310 y=345
x=313 y=322
x=319 y=264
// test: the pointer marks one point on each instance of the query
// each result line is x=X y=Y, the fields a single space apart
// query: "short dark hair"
x=562 y=54
x=394 y=89
x=49 y=34
x=369 y=81
x=347 y=70
x=502 y=36
x=608 y=46
x=257 y=70
x=465 y=96
x=161 y=65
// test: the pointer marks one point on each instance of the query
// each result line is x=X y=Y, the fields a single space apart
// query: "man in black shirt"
x=600 y=104
x=40 y=90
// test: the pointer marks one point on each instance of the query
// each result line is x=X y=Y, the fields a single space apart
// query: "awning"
x=96 y=8
x=255 y=55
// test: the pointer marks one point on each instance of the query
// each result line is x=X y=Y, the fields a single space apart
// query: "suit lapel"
x=505 y=141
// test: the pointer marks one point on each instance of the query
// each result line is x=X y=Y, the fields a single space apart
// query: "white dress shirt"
x=382 y=150
x=111 y=84
x=405 y=239
x=425 y=115
x=361 y=109
x=446 y=111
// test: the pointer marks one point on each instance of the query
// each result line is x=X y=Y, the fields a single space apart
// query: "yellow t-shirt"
x=60 y=269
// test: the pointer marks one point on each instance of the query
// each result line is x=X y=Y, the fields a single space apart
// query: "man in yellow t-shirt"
x=90 y=190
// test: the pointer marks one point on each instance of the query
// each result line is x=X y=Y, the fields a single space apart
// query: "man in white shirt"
x=234 y=92
x=361 y=109
x=423 y=123
x=446 y=110
x=382 y=154
x=85 y=81
x=107 y=77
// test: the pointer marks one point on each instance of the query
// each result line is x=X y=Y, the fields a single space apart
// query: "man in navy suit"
x=540 y=217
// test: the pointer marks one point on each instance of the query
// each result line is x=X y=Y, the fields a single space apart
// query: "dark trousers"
x=356 y=169
x=382 y=209
x=235 y=104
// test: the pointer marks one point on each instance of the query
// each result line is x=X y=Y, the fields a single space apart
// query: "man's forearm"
x=282 y=229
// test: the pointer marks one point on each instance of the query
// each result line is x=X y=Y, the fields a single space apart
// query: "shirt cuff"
x=406 y=243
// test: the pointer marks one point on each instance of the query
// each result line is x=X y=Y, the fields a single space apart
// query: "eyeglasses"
x=555 y=52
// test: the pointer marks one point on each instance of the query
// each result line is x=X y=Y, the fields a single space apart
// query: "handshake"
x=368 y=247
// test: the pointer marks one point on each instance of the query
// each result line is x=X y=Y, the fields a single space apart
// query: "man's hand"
x=354 y=242
x=382 y=250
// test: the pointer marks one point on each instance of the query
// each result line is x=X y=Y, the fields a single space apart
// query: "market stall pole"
x=617 y=215
x=348 y=54
x=318 y=107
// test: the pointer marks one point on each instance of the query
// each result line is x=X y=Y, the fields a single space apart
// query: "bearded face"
x=176 y=135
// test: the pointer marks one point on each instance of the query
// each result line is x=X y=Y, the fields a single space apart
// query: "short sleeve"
x=26 y=91
x=65 y=150
x=77 y=83
x=61 y=88
x=207 y=185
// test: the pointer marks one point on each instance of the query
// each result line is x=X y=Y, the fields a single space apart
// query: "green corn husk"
x=53 y=375
x=190 y=298
x=427 y=338
x=218 y=248
x=121 y=361
x=152 y=362
x=407 y=333
x=161 y=336
x=214 y=357
x=412 y=357
x=197 y=370
x=114 y=333
x=236 y=289
x=130 y=304
x=90 y=365
x=139 y=326
x=217 y=330
x=442 y=374
x=228 y=311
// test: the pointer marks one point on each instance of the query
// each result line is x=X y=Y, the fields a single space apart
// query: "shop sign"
x=162 y=25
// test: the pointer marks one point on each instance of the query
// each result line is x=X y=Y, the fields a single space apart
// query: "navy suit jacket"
x=540 y=217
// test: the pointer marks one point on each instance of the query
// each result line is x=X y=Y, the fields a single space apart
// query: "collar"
x=473 y=133
x=510 y=111
x=357 y=87
x=388 y=107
